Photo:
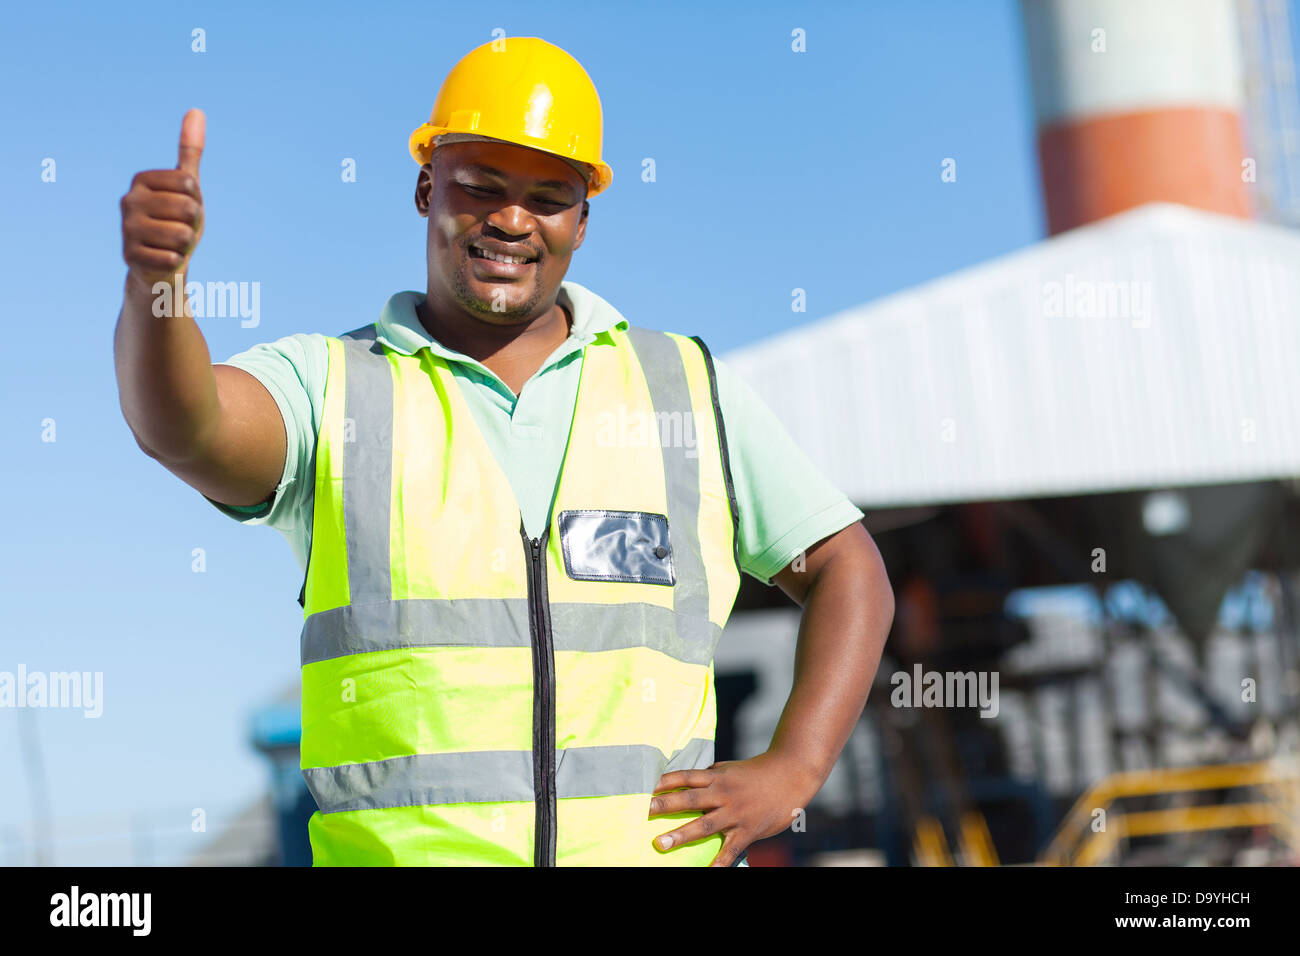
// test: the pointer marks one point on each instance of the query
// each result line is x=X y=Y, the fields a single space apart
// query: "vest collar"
x=400 y=329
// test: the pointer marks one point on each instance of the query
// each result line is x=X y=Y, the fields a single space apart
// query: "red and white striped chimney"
x=1137 y=101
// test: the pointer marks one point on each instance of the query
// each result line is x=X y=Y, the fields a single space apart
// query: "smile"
x=477 y=253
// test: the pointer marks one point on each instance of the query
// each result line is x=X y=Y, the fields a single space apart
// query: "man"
x=522 y=519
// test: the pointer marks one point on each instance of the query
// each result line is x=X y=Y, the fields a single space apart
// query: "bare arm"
x=848 y=607
x=214 y=427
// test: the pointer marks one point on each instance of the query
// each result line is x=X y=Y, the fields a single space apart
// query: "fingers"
x=152 y=265
x=168 y=180
x=706 y=826
x=162 y=213
x=156 y=249
x=697 y=829
x=167 y=206
x=730 y=852
x=160 y=231
x=161 y=234
x=682 y=801
x=193 y=130
x=684 y=778
x=699 y=796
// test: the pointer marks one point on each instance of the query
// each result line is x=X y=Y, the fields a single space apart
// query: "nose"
x=513 y=221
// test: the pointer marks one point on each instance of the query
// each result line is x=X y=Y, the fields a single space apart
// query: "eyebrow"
x=544 y=184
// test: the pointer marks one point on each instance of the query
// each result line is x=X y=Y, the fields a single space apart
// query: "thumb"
x=192 y=130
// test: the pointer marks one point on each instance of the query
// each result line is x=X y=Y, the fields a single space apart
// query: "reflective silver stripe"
x=391 y=625
x=608 y=627
x=367 y=470
x=486 y=776
x=671 y=396
x=493 y=622
x=496 y=776
x=610 y=771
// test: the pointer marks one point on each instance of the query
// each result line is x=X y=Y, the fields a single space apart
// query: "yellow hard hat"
x=526 y=91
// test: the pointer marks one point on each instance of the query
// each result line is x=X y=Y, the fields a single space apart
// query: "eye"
x=478 y=190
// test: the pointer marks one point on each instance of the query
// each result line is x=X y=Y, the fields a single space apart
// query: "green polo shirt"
x=786 y=505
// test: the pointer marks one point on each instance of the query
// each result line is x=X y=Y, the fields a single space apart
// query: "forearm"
x=846 y=619
x=166 y=386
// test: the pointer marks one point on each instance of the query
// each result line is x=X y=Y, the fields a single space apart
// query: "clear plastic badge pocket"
x=628 y=546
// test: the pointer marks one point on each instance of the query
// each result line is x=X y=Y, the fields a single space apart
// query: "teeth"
x=496 y=258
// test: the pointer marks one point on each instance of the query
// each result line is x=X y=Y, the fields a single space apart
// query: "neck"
x=484 y=340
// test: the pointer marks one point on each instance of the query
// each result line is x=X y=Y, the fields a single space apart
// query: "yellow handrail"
x=1271 y=775
x=930 y=844
x=976 y=842
x=1176 y=820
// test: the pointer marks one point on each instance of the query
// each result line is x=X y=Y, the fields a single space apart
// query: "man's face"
x=489 y=197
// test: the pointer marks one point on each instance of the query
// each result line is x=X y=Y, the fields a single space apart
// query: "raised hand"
x=162 y=214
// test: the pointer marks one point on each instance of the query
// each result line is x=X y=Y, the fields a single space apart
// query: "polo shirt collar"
x=399 y=326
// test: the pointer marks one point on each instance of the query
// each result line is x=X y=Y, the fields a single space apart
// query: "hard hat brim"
x=421 y=147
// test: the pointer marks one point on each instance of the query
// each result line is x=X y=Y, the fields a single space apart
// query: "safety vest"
x=474 y=696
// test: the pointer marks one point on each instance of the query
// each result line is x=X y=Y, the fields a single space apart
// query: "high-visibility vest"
x=474 y=696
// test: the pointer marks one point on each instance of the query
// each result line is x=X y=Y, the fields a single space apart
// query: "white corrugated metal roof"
x=1157 y=347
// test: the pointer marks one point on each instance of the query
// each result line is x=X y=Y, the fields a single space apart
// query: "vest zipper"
x=543 y=700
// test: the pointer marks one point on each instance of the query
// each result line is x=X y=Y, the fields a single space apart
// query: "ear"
x=424 y=190
x=582 y=225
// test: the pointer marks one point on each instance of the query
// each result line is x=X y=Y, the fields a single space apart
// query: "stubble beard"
x=468 y=298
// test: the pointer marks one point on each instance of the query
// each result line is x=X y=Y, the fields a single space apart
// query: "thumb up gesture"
x=162 y=214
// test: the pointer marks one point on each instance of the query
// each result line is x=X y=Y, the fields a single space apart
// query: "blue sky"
x=775 y=170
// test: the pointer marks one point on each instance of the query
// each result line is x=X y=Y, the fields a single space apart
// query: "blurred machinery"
x=276 y=731
x=1096 y=705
